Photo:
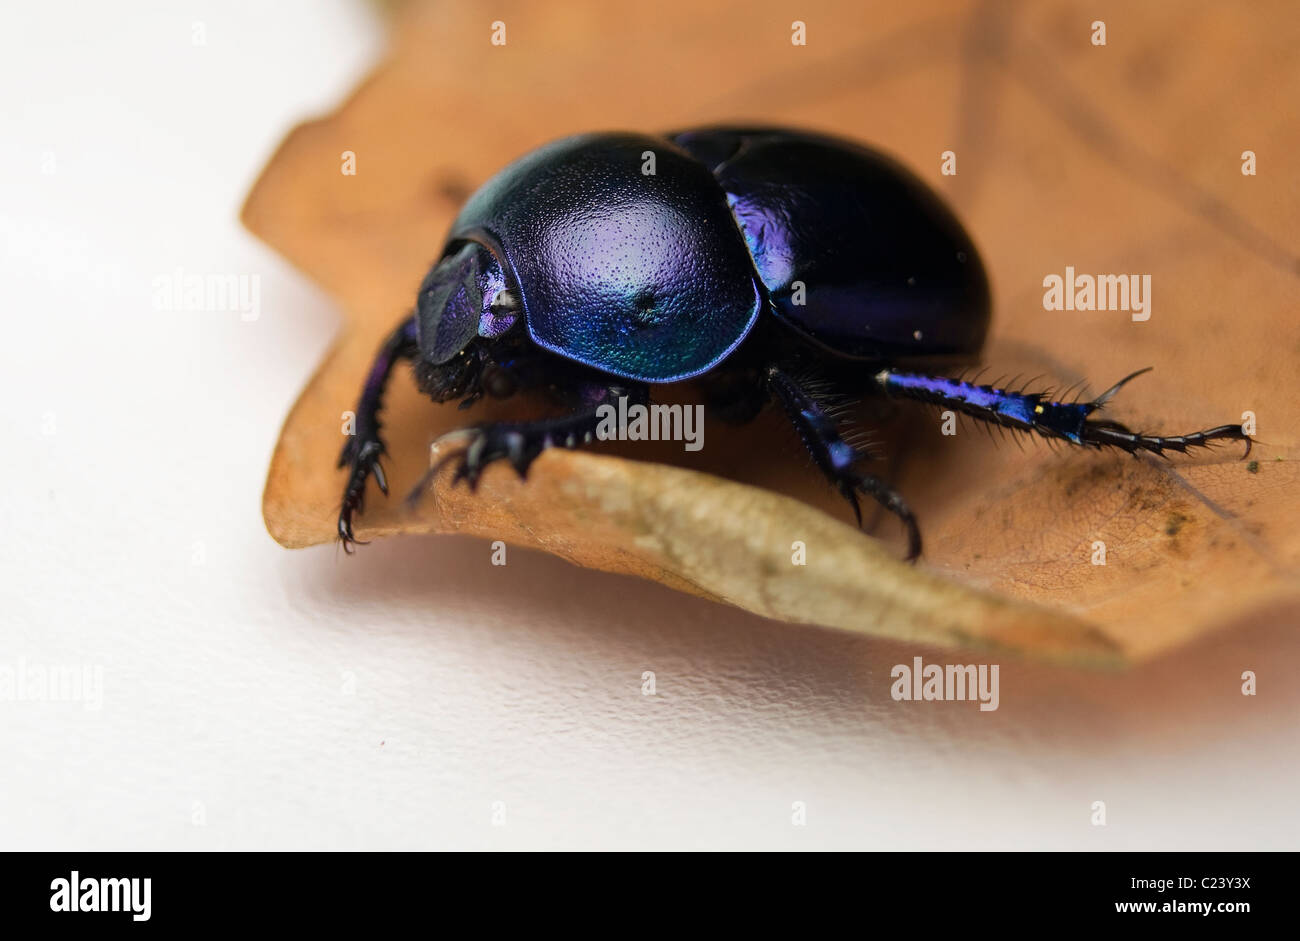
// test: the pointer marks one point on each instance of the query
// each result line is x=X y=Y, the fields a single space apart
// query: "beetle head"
x=464 y=302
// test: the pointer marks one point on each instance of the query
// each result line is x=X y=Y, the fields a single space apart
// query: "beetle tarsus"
x=364 y=464
x=1105 y=433
x=1111 y=434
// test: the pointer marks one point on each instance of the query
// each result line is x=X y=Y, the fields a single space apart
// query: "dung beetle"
x=768 y=264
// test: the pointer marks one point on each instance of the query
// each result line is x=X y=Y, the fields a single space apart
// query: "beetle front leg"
x=364 y=447
x=521 y=442
x=836 y=458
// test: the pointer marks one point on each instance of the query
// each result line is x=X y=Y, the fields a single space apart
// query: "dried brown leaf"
x=1123 y=158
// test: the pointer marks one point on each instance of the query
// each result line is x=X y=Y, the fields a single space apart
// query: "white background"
x=255 y=697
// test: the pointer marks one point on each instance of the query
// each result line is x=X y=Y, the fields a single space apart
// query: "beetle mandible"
x=751 y=259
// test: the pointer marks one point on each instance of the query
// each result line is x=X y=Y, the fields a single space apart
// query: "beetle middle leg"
x=835 y=457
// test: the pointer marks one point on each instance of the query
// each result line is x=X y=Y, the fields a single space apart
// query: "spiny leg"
x=364 y=447
x=521 y=442
x=1033 y=411
x=835 y=457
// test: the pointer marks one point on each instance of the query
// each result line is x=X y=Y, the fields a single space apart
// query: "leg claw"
x=364 y=458
x=855 y=483
x=487 y=443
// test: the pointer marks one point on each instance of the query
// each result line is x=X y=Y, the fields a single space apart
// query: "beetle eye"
x=505 y=303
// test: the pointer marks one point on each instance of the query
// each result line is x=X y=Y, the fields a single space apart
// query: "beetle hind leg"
x=836 y=458
x=1036 y=412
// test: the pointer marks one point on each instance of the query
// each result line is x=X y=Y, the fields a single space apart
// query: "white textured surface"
x=254 y=697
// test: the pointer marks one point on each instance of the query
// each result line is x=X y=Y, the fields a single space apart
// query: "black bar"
x=331 y=890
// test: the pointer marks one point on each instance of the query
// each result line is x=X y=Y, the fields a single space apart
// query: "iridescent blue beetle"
x=749 y=259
